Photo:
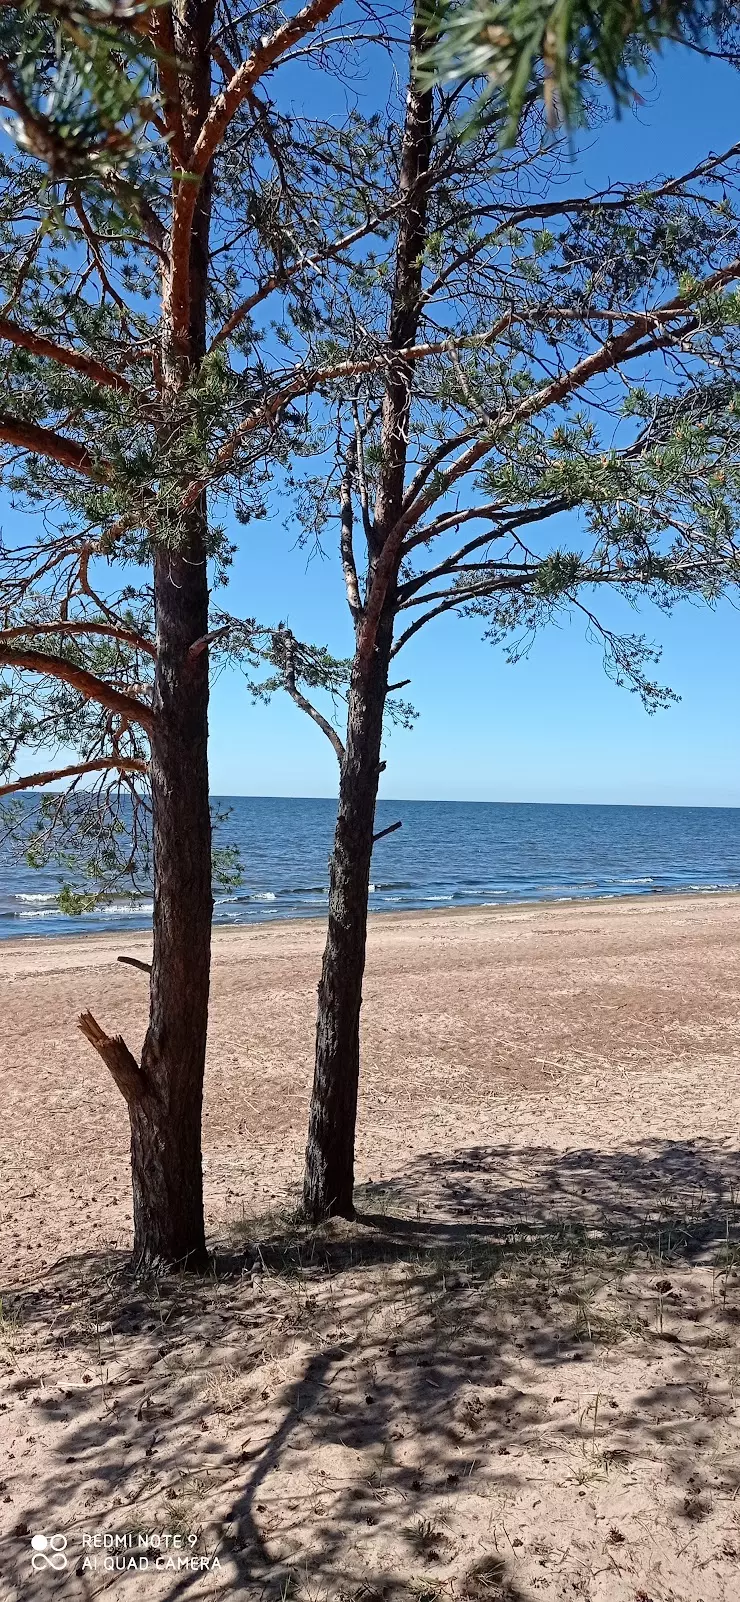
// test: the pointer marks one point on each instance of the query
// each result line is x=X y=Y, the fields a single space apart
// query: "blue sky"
x=553 y=727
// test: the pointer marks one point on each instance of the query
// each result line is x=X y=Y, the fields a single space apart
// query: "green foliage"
x=556 y=48
x=83 y=85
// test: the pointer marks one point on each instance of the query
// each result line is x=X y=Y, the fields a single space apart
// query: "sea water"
x=447 y=854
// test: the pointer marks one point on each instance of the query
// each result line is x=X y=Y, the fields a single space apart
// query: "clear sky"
x=553 y=727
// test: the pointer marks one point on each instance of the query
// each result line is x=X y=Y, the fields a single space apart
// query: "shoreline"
x=289 y=928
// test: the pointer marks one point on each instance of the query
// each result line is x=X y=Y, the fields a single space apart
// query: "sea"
x=446 y=854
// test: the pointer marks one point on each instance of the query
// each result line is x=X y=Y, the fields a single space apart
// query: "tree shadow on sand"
x=372 y=1410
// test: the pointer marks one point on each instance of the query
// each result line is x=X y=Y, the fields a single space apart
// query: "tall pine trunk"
x=330 y=1152
x=329 y=1170
x=166 y=1120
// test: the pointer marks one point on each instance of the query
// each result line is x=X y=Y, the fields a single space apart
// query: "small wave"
x=127 y=909
x=46 y=896
x=48 y=912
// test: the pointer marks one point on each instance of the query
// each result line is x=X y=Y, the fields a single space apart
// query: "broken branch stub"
x=135 y=962
x=391 y=829
x=119 y=1061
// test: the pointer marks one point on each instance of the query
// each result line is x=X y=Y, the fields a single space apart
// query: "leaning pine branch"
x=112 y=631
x=92 y=688
x=39 y=346
x=45 y=442
x=33 y=781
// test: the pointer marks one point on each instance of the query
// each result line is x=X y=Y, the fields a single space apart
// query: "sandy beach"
x=514 y=1377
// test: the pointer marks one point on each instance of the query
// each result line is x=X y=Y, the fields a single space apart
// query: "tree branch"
x=346 y=543
x=448 y=520
x=107 y=630
x=163 y=38
x=119 y=1061
x=615 y=350
x=308 y=380
x=312 y=263
x=457 y=598
x=44 y=442
x=135 y=962
x=32 y=781
x=39 y=346
x=92 y=688
x=391 y=829
x=267 y=54
x=319 y=719
x=302 y=701
x=223 y=108
x=520 y=519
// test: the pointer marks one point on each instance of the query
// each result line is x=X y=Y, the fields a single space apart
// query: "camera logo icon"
x=49 y=1552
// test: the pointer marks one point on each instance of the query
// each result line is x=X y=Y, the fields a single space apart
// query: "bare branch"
x=134 y=962
x=119 y=1061
x=110 y=631
x=289 y=680
x=391 y=829
x=32 y=781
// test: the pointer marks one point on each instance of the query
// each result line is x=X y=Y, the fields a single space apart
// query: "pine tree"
x=195 y=309
x=153 y=203
x=544 y=352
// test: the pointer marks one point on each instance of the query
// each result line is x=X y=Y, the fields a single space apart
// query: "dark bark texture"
x=329 y=1171
x=166 y=1122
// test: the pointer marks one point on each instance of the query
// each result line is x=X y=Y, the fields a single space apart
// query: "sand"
x=516 y=1376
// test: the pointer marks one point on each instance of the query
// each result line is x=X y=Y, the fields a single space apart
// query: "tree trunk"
x=166 y=1122
x=166 y=1158
x=329 y=1172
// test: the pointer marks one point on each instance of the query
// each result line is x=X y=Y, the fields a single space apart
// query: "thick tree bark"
x=166 y=1122
x=329 y=1173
